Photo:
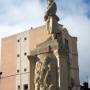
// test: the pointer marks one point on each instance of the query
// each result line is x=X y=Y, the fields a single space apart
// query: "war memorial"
x=42 y=58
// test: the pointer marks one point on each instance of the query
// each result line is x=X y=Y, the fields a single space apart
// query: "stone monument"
x=46 y=75
x=49 y=61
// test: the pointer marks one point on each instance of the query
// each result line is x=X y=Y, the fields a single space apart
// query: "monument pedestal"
x=47 y=63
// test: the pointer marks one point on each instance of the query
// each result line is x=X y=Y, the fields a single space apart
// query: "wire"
x=13 y=75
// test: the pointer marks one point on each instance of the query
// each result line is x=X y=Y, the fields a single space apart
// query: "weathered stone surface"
x=52 y=71
x=44 y=47
x=46 y=72
x=51 y=18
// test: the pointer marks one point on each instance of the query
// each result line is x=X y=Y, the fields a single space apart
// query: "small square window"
x=25 y=38
x=25 y=86
x=18 y=40
x=18 y=86
x=25 y=53
x=25 y=69
x=66 y=44
x=17 y=71
x=18 y=55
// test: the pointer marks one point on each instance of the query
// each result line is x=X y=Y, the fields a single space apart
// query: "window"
x=0 y=74
x=17 y=71
x=18 y=86
x=25 y=86
x=18 y=40
x=25 y=53
x=18 y=55
x=66 y=44
x=25 y=69
x=25 y=38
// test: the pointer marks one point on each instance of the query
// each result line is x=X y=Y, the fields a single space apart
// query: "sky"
x=20 y=15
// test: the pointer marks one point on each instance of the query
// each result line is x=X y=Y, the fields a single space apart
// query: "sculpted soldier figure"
x=46 y=72
x=51 y=9
x=37 y=75
x=50 y=16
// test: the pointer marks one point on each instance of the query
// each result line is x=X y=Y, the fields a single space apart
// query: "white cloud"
x=79 y=26
x=75 y=19
x=28 y=11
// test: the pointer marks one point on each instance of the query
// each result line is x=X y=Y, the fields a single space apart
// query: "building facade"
x=17 y=70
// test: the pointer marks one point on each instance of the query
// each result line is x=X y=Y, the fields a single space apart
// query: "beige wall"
x=8 y=63
x=8 y=83
x=37 y=36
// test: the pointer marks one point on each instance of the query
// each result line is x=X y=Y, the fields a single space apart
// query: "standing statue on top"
x=50 y=17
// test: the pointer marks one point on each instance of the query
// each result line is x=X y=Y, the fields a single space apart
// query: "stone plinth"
x=58 y=48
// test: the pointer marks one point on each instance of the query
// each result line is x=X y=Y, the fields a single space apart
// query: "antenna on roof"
x=87 y=79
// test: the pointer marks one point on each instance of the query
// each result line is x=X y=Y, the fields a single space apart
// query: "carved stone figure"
x=46 y=73
x=50 y=16
x=51 y=9
x=37 y=75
